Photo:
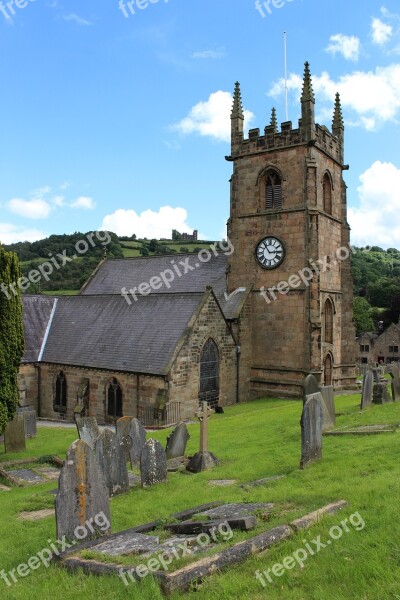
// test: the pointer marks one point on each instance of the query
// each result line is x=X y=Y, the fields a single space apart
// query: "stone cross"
x=203 y=415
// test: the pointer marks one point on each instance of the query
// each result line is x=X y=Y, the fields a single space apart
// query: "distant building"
x=383 y=348
x=187 y=237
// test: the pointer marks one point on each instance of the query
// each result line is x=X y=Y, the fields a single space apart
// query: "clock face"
x=270 y=252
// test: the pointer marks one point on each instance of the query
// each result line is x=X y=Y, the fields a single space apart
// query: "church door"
x=209 y=374
x=328 y=367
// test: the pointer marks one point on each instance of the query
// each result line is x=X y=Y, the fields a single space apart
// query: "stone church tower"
x=288 y=225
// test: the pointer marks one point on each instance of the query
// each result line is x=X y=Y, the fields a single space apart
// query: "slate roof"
x=113 y=275
x=36 y=313
x=105 y=332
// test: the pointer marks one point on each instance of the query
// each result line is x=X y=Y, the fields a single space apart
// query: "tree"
x=362 y=311
x=11 y=336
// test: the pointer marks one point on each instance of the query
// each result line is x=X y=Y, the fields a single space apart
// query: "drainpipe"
x=39 y=386
x=237 y=373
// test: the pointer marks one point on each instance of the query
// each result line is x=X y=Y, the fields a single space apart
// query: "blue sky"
x=122 y=122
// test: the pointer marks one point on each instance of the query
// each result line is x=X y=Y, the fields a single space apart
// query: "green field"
x=254 y=440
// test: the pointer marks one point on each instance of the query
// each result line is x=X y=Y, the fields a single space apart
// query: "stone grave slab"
x=126 y=544
x=51 y=473
x=88 y=429
x=380 y=394
x=36 y=515
x=366 y=394
x=244 y=523
x=27 y=476
x=30 y=421
x=137 y=433
x=227 y=511
x=111 y=458
x=327 y=420
x=329 y=397
x=4 y=488
x=177 y=441
x=153 y=463
x=264 y=481
x=310 y=386
x=14 y=435
x=222 y=482
x=311 y=431
x=122 y=428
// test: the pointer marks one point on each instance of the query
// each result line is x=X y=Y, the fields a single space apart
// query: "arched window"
x=60 y=393
x=209 y=373
x=328 y=370
x=273 y=190
x=328 y=313
x=327 y=191
x=114 y=399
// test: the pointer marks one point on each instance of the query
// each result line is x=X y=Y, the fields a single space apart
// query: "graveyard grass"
x=253 y=441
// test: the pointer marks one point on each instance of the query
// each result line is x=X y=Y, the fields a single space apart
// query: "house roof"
x=105 y=332
x=111 y=276
x=36 y=312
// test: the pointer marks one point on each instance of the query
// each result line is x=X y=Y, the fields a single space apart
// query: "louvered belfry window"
x=327 y=194
x=273 y=191
x=328 y=322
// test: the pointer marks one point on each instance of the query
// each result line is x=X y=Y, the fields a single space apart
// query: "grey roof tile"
x=36 y=313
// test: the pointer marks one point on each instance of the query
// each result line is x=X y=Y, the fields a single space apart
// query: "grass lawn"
x=254 y=440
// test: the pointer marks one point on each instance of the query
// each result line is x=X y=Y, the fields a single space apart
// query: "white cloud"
x=376 y=221
x=211 y=118
x=149 y=223
x=10 y=234
x=37 y=208
x=369 y=98
x=381 y=32
x=213 y=54
x=348 y=46
x=76 y=19
x=83 y=202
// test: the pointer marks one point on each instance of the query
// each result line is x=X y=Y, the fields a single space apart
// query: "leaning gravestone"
x=367 y=389
x=153 y=463
x=311 y=431
x=137 y=434
x=395 y=374
x=176 y=442
x=82 y=502
x=327 y=420
x=328 y=395
x=14 y=435
x=110 y=456
x=88 y=429
x=124 y=439
x=310 y=386
x=380 y=394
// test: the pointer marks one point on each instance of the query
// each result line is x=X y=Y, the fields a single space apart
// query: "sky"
x=116 y=115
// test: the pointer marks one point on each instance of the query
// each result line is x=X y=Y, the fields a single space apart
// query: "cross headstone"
x=137 y=433
x=82 y=502
x=110 y=456
x=367 y=389
x=204 y=459
x=88 y=430
x=311 y=431
x=153 y=463
x=14 y=435
x=176 y=442
x=124 y=439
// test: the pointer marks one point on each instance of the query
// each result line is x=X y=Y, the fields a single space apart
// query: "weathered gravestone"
x=327 y=420
x=380 y=394
x=329 y=399
x=14 y=435
x=367 y=389
x=82 y=502
x=137 y=433
x=29 y=416
x=310 y=386
x=110 y=456
x=176 y=441
x=124 y=439
x=88 y=430
x=204 y=459
x=393 y=369
x=311 y=431
x=153 y=463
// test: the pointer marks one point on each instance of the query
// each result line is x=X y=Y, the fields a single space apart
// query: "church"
x=232 y=325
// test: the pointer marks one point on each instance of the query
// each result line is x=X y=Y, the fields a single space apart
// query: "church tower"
x=288 y=225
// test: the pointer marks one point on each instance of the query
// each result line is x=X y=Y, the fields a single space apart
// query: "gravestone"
x=14 y=435
x=82 y=502
x=124 y=439
x=176 y=442
x=137 y=433
x=311 y=431
x=329 y=398
x=327 y=420
x=393 y=369
x=110 y=456
x=153 y=463
x=381 y=394
x=367 y=389
x=29 y=416
x=310 y=386
x=204 y=459
x=88 y=430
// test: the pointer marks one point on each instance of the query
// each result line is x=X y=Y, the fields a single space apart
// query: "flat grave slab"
x=365 y=430
x=4 y=488
x=263 y=481
x=227 y=511
x=222 y=482
x=27 y=476
x=127 y=543
x=50 y=473
x=36 y=515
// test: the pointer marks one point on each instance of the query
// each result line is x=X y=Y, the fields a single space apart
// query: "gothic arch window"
x=273 y=190
x=328 y=369
x=328 y=317
x=113 y=399
x=209 y=373
x=60 y=393
x=327 y=193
